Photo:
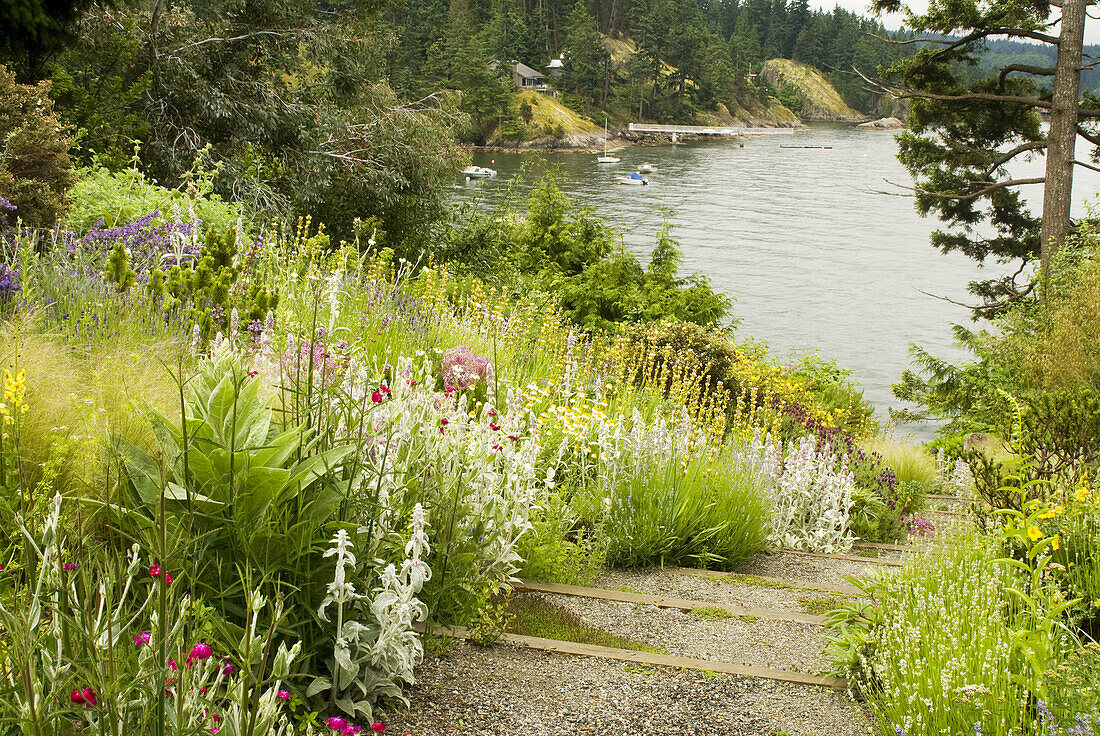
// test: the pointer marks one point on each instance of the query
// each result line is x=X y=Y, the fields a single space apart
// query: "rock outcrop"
x=820 y=100
x=883 y=124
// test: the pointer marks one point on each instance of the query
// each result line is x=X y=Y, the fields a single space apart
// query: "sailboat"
x=605 y=159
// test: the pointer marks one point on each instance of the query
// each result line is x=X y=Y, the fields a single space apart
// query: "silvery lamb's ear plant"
x=810 y=492
x=375 y=658
x=108 y=647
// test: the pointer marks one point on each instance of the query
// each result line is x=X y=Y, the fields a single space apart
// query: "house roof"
x=525 y=71
x=555 y=64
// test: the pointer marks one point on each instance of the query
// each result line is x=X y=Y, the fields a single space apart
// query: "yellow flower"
x=1054 y=544
x=1033 y=533
x=1082 y=494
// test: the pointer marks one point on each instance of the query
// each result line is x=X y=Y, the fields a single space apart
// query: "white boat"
x=633 y=179
x=646 y=167
x=605 y=159
x=478 y=172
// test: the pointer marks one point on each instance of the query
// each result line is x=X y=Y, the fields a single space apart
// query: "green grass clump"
x=757 y=582
x=536 y=616
x=701 y=513
x=818 y=605
x=910 y=463
x=711 y=613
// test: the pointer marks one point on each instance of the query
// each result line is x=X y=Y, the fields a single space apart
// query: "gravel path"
x=780 y=645
x=510 y=690
x=809 y=569
x=708 y=590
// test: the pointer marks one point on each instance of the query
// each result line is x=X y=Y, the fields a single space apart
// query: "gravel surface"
x=809 y=569
x=781 y=645
x=708 y=590
x=505 y=689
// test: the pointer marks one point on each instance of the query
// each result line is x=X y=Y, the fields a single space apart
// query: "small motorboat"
x=478 y=172
x=646 y=168
x=633 y=179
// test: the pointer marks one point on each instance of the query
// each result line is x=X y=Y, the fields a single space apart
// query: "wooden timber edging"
x=662 y=660
x=736 y=576
x=662 y=601
x=885 y=547
x=848 y=558
x=943 y=498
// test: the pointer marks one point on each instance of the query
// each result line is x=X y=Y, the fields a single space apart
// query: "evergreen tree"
x=964 y=133
x=585 y=57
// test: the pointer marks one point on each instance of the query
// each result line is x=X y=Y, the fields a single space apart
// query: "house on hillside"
x=527 y=78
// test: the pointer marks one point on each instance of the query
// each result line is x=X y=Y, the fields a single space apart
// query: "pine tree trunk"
x=1062 y=138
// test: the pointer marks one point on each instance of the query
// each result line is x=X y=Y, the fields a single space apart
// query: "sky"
x=1092 y=26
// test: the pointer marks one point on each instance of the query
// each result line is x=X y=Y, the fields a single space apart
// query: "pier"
x=678 y=130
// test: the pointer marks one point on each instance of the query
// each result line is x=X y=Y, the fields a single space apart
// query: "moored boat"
x=478 y=172
x=633 y=179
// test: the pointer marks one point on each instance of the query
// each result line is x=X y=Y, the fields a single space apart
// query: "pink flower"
x=172 y=664
x=69 y=566
x=168 y=578
x=76 y=697
x=336 y=724
x=494 y=427
x=228 y=670
x=201 y=650
x=376 y=397
x=378 y=727
x=283 y=695
x=85 y=697
x=154 y=570
x=214 y=729
x=142 y=639
x=444 y=421
x=385 y=388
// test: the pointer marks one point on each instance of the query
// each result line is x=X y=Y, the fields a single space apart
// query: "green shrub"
x=116 y=198
x=35 y=169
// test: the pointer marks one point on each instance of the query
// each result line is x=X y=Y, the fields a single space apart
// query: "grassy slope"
x=822 y=101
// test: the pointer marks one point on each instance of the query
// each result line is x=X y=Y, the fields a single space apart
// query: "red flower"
x=85 y=697
x=378 y=727
x=494 y=427
x=376 y=397
x=154 y=570
x=168 y=578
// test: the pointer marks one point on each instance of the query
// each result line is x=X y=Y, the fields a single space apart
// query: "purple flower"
x=69 y=566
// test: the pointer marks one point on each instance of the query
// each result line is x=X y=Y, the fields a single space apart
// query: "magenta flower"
x=201 y=650
x=228 y=670
x=85 y=697
x=69 y=566
x=142 y=639
x=336 y=724
x=376 y=397
x=378 y=727
x=283 y=695
x=154 y=570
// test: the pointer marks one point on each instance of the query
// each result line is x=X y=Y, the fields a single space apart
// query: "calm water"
x=815 y=259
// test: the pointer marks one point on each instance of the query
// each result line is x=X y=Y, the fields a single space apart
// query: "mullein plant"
x=110 y=646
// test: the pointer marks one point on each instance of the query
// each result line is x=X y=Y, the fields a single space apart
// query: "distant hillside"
x=806 y=91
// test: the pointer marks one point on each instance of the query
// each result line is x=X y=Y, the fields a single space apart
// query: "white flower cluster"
x=810 y=491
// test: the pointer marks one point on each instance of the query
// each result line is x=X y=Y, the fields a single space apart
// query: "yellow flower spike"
x=1033 y=533
x=1082 y=494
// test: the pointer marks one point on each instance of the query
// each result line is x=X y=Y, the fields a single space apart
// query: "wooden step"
x=662 y=601
x=848 y=558
x=662 y=660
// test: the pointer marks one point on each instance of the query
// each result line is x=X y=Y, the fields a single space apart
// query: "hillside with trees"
x=655 y=60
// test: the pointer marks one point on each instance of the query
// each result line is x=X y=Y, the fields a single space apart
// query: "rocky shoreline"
x=594 y=143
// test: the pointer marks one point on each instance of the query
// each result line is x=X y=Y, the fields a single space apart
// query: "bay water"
x=811 y=233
